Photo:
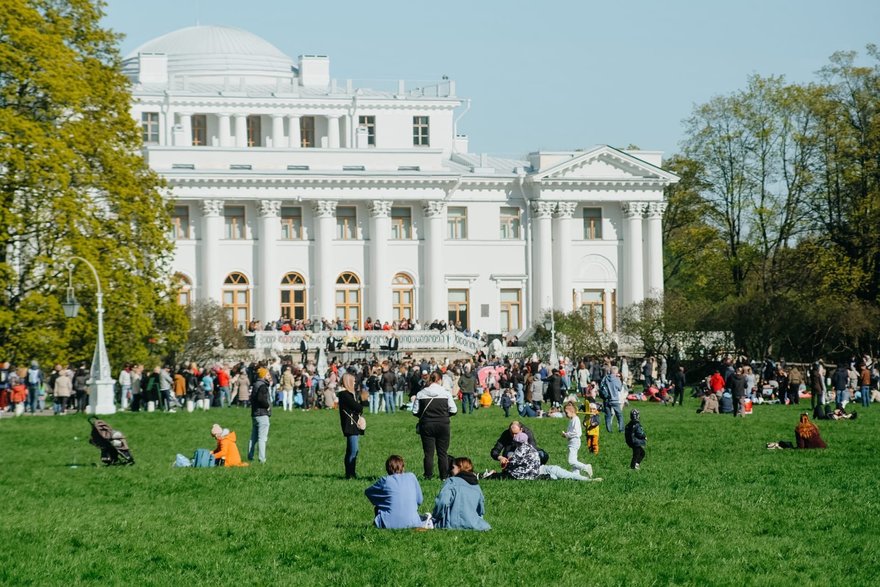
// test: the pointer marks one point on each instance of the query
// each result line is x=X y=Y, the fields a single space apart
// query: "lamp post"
x=101 y=382
x=551 y=326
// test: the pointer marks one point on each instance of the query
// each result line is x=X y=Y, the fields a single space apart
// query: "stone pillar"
x=653 y=251
x=542 y=259
x=562 y=222
x=293 y=131
x=210 y=286
x=278 y=138
x=633 y=267
x=434 y=278
x=241 y=130
x=346 y=136
x=186 y=125
x=225 y=130
x=268 y=276
x=333 y=132
x=378 y=280
x=323 y=276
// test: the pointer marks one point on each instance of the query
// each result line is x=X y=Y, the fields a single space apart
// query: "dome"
x=214 y=51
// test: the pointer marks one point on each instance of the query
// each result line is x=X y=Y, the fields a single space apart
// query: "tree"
x=576 y=337
x=73 y=182
x=211 y=331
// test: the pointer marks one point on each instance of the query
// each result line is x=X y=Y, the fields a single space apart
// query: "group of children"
x=634 y=434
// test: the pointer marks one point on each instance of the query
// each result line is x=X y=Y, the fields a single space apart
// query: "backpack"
x=202 y=458
x=603 y=389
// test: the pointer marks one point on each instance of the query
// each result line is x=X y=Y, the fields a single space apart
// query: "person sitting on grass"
x=397 y=497
x=709 y=403
x=460 y=504
x=525 y=464
x=504 y=446
x=226 y=454
x=806 y=435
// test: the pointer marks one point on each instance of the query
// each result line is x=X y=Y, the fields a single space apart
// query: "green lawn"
x=711 y=506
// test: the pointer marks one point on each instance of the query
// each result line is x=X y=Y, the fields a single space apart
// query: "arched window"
x=236 y=299
x=293 y=296
x=184 y=289
x=403 y=297
x=348 y=298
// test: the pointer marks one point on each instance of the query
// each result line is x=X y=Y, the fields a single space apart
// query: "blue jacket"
x=614 y=386
x=460 y=505
x=397 y=499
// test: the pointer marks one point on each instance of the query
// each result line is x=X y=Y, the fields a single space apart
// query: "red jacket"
x=716 y=382
x=222 y=378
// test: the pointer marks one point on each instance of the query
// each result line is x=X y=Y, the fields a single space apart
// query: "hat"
x=216 y=430
x=224 y=433
x=520 y=437
x=262 y=372
x=594 y=407
x=634 y=415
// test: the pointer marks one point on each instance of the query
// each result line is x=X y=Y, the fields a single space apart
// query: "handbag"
x=419 y=423
x=360 y=423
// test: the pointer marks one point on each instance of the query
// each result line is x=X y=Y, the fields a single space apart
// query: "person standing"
x=636 y=439
x=34 y=382
x=261 y=410
x=678 y=383
x=865 y=385
x=840 y=380
x=80 y=388
x=350 y=409
x=610 y=390
x=433 y=406
x=166 y=382
x=388 y=382
x=738 y=391
x=125 y=387
x=467 y=383
x=817 y=385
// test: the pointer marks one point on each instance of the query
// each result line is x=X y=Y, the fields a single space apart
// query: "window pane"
x=340 y=297
x=299 y=296
x=354 y=296
x=509 y=295
x=285 y=296
x=592 y=223
x=457 y=295
x=591 y=296
x=227 y=298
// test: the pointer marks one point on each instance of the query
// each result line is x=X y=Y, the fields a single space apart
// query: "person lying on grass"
x=226 y=454
x=806 y=435
x=460 y=504
x=397 y=497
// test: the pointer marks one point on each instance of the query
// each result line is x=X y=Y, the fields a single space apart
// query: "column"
x=633 y=268
x=562 y=221
x=278 y=139
x=542 y=259
x=333 y=132
x=241 y=130
x=293 y=131
x=379 y=280
x=323 y=278
x=347 y=135
x=186 y=125
x=268 y=276
x=434 y=277
x=654 y=249
x=225 y=134
x=210 y=280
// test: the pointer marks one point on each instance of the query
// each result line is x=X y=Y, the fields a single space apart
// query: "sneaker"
x=172 y=411
x=636 y=467
x=589 y=470
x=595 y=479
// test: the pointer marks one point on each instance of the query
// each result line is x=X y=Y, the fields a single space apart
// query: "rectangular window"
x=150 y=127
x=291 y=223
x=456 y=223
x=199 y=124
x=307 y=132
x=420 y=131
x=369 y=122
x=510 y=223
x=458 y=307
x=401 y=223
x=593 y=306
x=255 y=131
x=233 y=217
x=180 y=223
x=346 y=223
x=592 y=223
x=511 y=315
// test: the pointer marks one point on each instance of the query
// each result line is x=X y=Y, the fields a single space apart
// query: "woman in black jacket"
x=350 y=409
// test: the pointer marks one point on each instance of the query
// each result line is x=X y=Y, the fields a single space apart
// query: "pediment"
x=604 y=164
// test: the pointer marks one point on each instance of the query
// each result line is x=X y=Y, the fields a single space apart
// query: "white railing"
x=409 y=340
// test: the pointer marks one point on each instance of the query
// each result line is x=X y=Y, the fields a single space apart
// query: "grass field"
x=711 y=506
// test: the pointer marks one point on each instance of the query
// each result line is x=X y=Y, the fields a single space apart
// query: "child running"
x=573 y=434
x=591 y=421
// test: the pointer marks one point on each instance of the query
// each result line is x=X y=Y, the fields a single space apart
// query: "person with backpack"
x=610 y=390
x=636 y=439
x=261 y=410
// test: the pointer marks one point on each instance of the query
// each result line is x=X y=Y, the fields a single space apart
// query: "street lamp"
x=101 y=382
x=551 y=326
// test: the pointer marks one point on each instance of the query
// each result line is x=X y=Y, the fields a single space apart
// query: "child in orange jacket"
x=226 y=452
x=591 y=422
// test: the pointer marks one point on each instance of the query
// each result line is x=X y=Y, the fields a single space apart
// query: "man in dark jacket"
x=505 y=445
x=678 y=382
x=467 y=383
x=738 y=391
x=839 y=380
x=261 y=409
x=554 y=388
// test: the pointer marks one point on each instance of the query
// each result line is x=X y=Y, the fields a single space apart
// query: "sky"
x=549 y=75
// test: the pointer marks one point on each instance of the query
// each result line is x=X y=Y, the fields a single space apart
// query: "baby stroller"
x=114 y=448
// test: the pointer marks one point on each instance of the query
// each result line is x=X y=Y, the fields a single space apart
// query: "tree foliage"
x=774 y=226
x=211 y=332
x=73 y=182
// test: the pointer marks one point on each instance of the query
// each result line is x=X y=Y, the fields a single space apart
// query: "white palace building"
x=301 y=196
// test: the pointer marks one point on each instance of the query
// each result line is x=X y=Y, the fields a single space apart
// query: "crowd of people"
x=287 y=325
